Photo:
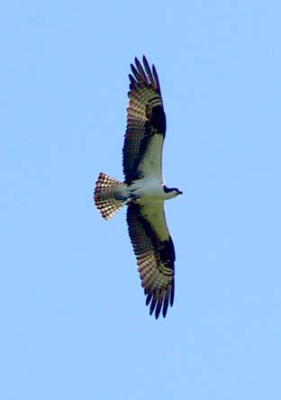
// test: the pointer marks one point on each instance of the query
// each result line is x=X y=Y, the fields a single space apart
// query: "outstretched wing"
x=155 y=254
x=146 y=124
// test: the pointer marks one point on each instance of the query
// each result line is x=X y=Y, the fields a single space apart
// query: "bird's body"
x=143 y=190
x=149 y=190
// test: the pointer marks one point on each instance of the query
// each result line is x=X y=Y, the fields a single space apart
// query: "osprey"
x=143 y=190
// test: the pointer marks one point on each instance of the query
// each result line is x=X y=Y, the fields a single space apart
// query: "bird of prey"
x=143 y=190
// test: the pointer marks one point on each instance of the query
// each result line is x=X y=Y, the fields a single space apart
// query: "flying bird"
x=143 y=190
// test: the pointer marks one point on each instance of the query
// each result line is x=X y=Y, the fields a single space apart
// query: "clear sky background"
x=74 y=324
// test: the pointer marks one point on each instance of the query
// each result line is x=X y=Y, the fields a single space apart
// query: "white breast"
x=148 y=189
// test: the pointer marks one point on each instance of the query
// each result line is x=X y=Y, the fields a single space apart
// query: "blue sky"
x=74 y=322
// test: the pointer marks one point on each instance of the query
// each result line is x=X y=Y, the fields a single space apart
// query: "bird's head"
x=172 y=192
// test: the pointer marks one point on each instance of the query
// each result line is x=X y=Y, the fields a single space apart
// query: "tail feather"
x=105 y=195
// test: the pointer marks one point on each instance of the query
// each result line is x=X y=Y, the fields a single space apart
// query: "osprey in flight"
x=143 y=190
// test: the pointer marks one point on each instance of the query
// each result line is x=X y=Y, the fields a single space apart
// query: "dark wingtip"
x=135 y=72
x=155 y=75
x=157 y=305
x=172 y=295
x=165 y=305
x=148 y=299
x=152 y=305
x=132 y=79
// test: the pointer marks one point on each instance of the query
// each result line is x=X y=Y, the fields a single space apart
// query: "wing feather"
x=155 y=254
x=148 y=71
x=145 y=119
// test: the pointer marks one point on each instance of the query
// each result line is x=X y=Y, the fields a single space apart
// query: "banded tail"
x=107 y=197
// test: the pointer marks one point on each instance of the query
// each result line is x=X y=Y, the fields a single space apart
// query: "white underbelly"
x=148 y=189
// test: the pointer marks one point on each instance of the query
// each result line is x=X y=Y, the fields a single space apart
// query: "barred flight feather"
x=145 y=117
x=155 y=259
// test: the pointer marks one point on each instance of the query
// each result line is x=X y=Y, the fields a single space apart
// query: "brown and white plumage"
x=155 y=254
x=143 y=190
x=145 y=119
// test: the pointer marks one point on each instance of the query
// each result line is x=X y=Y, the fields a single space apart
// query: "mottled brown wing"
x=155 y=254
x=145 y=118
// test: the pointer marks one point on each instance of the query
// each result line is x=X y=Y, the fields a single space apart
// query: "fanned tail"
x=108 y=195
